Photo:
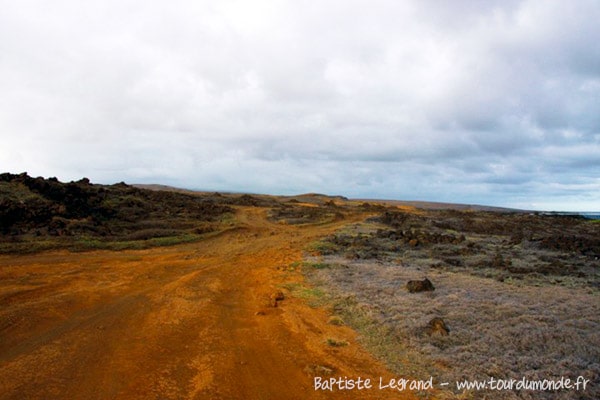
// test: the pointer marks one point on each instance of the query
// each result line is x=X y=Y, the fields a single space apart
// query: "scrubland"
x=518 y=292
x=117 y=291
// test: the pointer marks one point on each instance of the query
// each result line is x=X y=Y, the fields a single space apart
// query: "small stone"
x=437 y=326
x=278 y=296
x=420 y=286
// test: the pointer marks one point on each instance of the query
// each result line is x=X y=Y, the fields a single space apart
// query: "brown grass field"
x=514 y=308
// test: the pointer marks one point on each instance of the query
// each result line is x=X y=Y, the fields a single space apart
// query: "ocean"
x=590 y=215
x=584 y=214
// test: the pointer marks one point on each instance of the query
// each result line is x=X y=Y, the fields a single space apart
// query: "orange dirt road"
x=192 y=321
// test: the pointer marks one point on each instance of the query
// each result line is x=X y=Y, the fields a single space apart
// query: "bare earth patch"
x=190 y=321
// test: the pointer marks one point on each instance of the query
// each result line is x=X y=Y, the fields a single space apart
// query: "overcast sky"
x=487 y=102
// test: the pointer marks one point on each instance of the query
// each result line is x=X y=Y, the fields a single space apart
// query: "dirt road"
x=192 y=321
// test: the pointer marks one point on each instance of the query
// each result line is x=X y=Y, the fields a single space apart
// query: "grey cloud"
x=415 y=99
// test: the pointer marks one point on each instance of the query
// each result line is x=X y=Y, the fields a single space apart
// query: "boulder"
x=437 y=326
x=420 y=286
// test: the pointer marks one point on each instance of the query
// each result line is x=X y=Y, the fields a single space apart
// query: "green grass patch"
x=29 y=247
x=322 y=247
x=84 y=243
x=314 y=296
x=336 y=342
x=316 y=265
x=307 y=266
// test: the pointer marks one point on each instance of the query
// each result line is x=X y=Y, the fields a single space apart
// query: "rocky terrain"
x=38 y=213
x=518 y=246
x=470 y=294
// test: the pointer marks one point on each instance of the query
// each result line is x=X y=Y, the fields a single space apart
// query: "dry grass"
x=498 y=329
x=335 y=320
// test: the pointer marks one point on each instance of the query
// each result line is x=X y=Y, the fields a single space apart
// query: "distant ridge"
x=158 y=187
x=432 y=205
x=312 y=197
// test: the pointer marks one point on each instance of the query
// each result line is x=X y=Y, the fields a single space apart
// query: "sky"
x=476 y=102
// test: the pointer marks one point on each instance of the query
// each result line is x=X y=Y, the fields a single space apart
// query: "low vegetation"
x=336 y=342
x=529 y=248
x=296 y=214
x=40 y=214
x=518 y=293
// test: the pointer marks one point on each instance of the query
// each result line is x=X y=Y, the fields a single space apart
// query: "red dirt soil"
x=192 y=321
